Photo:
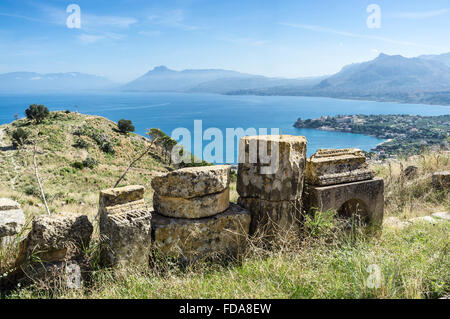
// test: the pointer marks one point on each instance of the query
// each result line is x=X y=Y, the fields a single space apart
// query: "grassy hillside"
x=67 y=139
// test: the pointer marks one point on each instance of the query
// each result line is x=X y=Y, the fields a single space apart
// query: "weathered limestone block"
x=441 y=180
x=197 y=207
x=56 y=238
x=278 y=174
x=193 y=181
x=271 y=217
x=12 y=218
x=125 y=227
x=190 y=239
x=364 y=198
x=121 y=195
x=336 y=166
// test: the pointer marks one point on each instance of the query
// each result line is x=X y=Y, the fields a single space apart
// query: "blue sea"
x=169 y=111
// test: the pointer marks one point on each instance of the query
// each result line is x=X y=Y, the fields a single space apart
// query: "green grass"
x=414 y=263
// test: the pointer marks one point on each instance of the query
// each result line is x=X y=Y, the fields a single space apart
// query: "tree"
x=20 y=136
x=125 y=126
x=37 y=113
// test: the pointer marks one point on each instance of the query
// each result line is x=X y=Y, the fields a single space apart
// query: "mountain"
x=207 y=80
x=444 y=58
x=24 y=82
x=386 y=78
x=390 y=74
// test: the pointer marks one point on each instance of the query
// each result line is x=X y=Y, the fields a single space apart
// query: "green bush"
x=19 y=136
x=108 y=148
x=78 y=165
x=81 y=143
x=90 y=162
x=125 y=126
x=37 y=113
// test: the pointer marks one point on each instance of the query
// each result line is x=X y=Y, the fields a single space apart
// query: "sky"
x=125 y=39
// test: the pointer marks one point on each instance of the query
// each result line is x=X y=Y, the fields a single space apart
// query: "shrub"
x=78 y=165
x=19 y=136
x=81 y=143
x=125 y=126
x=31 y=190
x=108 y=148
x=37 y=113
x=90 y=162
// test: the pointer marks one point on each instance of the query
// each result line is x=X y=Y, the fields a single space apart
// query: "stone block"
x=365 y=198
x=125 y=227
x=56 y=238
x=193 y=181
x=441 y=180
x=337 y=166
x=197 y=207
x=12 y=218
x=121 y=195
x=271 y=217
x=191 y=239
x=126 y=237
x=278 y=174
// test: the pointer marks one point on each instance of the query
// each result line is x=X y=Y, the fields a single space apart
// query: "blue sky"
x=124 y=39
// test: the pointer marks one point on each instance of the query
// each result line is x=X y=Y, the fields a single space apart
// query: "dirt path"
x=9 y=155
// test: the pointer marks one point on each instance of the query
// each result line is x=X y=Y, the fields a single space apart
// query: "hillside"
x=386 y=78
x=68 y=187
x=28 y=82
x=206 y=81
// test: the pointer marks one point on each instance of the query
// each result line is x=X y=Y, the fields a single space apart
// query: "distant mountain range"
x=424 y=79
x=207 y=81
x=31 y=82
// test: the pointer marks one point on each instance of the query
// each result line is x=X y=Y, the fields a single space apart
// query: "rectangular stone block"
x=126 y=238
x=271 y=217
x=365 y=198
x=197 y=207
x=121 y=195
x=193 y=181
x=441 y=180
x=125 y=227
x=191 y=239
x=336 y=166
x=278 y=174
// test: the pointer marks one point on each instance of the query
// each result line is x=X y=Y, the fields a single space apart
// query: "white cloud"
x=317 y=28
x=172 y=19
x=420 y=15
x=150 y=33
x=89 y=38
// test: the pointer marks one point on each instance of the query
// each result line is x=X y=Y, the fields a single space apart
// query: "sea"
x=216 y=113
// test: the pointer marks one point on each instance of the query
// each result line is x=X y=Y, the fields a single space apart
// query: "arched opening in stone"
x=354 y=211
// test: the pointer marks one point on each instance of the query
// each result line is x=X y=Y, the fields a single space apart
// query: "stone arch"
x=355 y=209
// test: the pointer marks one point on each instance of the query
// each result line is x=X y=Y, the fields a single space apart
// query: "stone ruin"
x=192 y=216
x=341 y=180
x=273 y=195
x=124 y=227
x=12 y=219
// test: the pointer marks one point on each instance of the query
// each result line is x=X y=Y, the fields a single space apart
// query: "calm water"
x=172 y=110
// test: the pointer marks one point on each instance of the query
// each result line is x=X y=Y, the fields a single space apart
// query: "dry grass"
x=415 y=196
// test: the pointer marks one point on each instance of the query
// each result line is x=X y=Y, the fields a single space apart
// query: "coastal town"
x=404 y=134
